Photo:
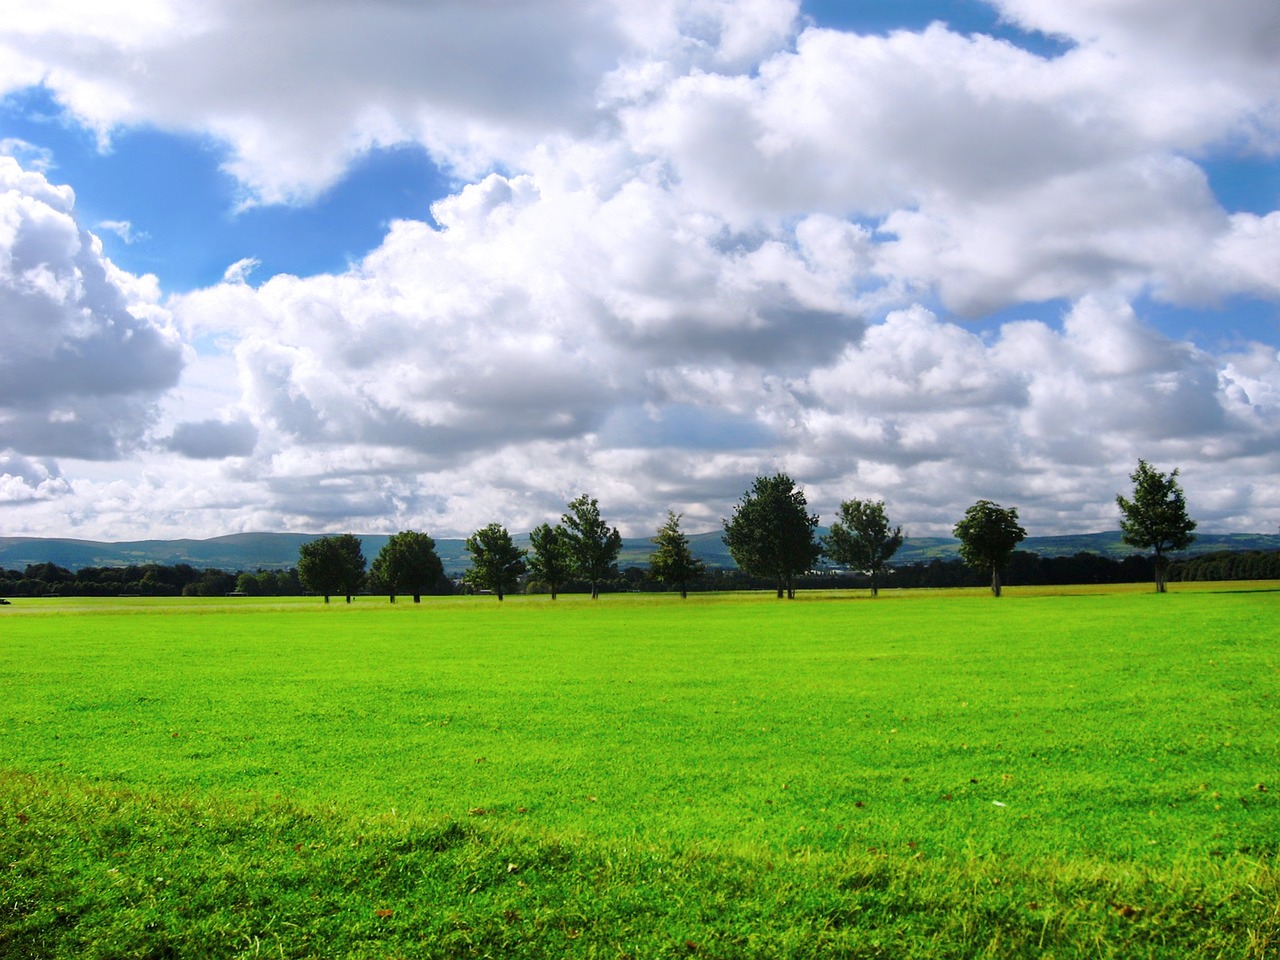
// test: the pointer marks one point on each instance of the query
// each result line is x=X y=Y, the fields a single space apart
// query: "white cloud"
x=30 y=156
x=213 y=439
x=716 y=246
x=86 y=348
x=239 y=271
x=24 y=480
x=122 y=229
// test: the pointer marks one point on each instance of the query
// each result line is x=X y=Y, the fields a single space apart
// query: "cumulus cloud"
x=23 y=480
x=691 y=240
x=213 y=439
x=86 y=349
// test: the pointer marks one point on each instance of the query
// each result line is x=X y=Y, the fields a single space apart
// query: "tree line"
x=1023 y=569
x=146 y=580
x=771 y=536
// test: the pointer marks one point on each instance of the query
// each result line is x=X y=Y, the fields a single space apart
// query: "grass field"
x=1070 y=773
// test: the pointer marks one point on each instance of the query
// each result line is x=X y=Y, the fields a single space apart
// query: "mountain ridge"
x=275 y=551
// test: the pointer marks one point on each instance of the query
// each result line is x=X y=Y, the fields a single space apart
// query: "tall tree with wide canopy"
x=673 y=561
x=861 y=539
x=592 y=544
x=1156 y=518
x=496 y=562
x=988 y=535
x=771 y=532
x=332 y=565
x=550 y=562
x=407 y=563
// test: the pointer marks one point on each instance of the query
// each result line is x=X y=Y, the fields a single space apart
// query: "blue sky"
x=924 y=251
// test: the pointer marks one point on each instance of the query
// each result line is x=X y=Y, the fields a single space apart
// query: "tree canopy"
x=591 y=543
x=550 y=563
x=407 y=563
x=332 y=565
x=672 y=561
x=1156 y=518
x=861 y=539
x=988 y=535
x=496 y=562
x=771 y=532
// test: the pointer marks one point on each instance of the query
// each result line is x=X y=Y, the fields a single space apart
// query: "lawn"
x=1064 y=773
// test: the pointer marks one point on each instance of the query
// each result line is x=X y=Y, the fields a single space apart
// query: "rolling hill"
x=274 y=551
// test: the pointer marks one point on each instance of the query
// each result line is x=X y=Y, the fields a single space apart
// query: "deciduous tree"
x=407 y=563
x=550 y=562
x=332 y=565
x=592 y=544
x=496 y=562
x=1156 y=518
x=988 y=535
x=673 y=562
x=861 y=539
x=771 y=533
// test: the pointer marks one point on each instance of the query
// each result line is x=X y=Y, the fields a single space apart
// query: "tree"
x=496 y=562
x=1156 y=518
x=550 y=563
x=771 y=533
x=331 y=565
x=592 y=544
x=988 y=535
x=673 y=562
x=407 y=563
x=861 y=539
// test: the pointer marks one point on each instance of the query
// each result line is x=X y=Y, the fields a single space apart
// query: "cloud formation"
x=86 y=348
x=691 y=241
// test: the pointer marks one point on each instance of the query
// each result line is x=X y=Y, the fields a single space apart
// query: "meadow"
x=1067 y=772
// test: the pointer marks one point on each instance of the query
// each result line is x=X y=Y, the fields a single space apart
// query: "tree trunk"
x=684 y=594
x=1162 y=567
x=995 y=581
x=553 y=593
x=499 y=592
x=595 y=590
x=417 y=598
x=875 y=587
x=781 y=588
x=326 y=598
x=391 y=597
x=348 y=598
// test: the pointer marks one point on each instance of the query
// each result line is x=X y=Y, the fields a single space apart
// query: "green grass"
x=1058 y=773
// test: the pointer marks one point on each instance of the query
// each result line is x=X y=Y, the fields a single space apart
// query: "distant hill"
x=277 y=551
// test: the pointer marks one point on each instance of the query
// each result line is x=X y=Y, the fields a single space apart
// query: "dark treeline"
x=1227 y=565
x=149 y=580
x=1024 y=569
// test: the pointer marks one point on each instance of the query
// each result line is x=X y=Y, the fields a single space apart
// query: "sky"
x=330 y=266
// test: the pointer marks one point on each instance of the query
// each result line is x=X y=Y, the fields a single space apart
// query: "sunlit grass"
x=1056 y=741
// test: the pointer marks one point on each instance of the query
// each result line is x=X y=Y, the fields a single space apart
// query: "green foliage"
x=771 y=533
x=1156 y=518
x=988 y=535
x=332 y=565
x=407 y=563
x=672 y=561
x=861 y=539
x=592 y=543
x=496 y=562
x=551 y=563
